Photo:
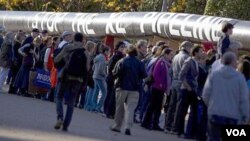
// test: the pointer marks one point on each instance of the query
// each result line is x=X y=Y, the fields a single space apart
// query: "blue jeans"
x=72 y=88
x=100 y=85
x=88 y=99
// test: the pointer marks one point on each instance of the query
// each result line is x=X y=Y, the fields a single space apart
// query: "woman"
x=85 y=102
x=5 y=57
x=16 y=60
x=109 y=105
x=160 y=85
x=29 y=56
x=99 y=76
x=50 y=65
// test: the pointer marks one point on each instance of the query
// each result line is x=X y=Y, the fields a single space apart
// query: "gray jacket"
x=226 y=94
x=100 y=67
x=177 y=64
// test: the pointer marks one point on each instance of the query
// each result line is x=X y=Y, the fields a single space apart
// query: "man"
x=70 y=83
x=233 y=47
x=45 y=33
x=33 y=35
x=67 y=38
x=177 y=63
x=227 y=97
x=129 y=73
x=224 y=41
x=189 y=86
x=142 y=52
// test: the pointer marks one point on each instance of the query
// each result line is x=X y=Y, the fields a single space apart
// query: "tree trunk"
x=164 y=7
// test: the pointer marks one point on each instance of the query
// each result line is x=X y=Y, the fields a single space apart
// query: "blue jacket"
x=223 y=44
x=129 y=73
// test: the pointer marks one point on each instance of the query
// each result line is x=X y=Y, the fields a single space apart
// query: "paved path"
x=29 y=119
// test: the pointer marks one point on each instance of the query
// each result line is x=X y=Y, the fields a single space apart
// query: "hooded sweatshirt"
x=226 y=94
x=100 y=67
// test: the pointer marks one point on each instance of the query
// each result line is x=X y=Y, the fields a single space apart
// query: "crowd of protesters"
x=135 y=82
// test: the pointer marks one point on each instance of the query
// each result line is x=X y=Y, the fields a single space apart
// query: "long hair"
x=244 y=68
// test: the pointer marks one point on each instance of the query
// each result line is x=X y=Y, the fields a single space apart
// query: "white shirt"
x=46 y=56
x=62 y=44
x=216 y=65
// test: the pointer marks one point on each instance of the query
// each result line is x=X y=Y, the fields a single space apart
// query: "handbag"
x=149 y=80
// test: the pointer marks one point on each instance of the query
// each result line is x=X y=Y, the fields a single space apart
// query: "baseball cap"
x=35 y=30
x=66 y=33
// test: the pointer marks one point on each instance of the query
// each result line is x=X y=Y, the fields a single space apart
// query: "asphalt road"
x=29 y=119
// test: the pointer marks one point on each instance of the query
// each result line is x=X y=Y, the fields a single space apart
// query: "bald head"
x=229 y=59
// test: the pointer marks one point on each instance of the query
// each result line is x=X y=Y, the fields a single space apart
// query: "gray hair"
x=141 y=43
x=229 y=58
x=89 y=45
x=186 y=44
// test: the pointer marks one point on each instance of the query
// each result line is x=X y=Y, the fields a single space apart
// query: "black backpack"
x=76 y=64
x=60 y=64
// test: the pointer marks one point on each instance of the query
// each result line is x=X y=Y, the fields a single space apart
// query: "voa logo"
x=236 y=132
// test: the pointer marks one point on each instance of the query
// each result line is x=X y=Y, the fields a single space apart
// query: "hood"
x=227 y=72
x=99 y=58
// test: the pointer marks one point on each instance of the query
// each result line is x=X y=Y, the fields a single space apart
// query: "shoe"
x=65 y=129
x=115 y=130
x=127 y=132
x=146 y=126
x=58 y=124
x=167 y=131
x=157 y=128
x=173 y=133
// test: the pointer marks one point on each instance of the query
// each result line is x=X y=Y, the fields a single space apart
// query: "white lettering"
x=109 y=26
x=236 y=132
x=175 y=22
x=118 y=27
x=185 y=22
x=146 y=19
x=88 y=22
x=162 y=21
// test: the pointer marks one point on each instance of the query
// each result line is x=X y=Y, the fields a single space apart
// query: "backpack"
x=60 y=64
x=76 y=64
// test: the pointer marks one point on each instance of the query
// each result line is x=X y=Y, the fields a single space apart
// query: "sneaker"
x=59 y=124
x=167 y=131
x=65 y=129
x=115 y=130
x=127 y=132
x=157 y=128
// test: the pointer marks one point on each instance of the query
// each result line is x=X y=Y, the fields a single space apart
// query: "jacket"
x=100 y=67
x=161 y=75
x=177 y=64
x=63 y=55
x=223 y=44
x=5 y=55
x=226 y=94
x=129 y=73
x=112 y=62
x=189 y=73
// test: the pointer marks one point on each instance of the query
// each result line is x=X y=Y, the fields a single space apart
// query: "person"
x=45 y=33
x=224 y=41
x=47 y=55
x=16 y=61
x=177 y=63
x=29 y=56
x=71 y=78
x=142 y=52
x=2 y=29
x=229 y=86
x=5 y=57
x=109 y=105
x=35 y=33
x=128 y=72
x=67 y=38
x=91 y=48
x=51 y=67
x=160 y=85
x=233 y=47
x=189 y=88
x=99 y=76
